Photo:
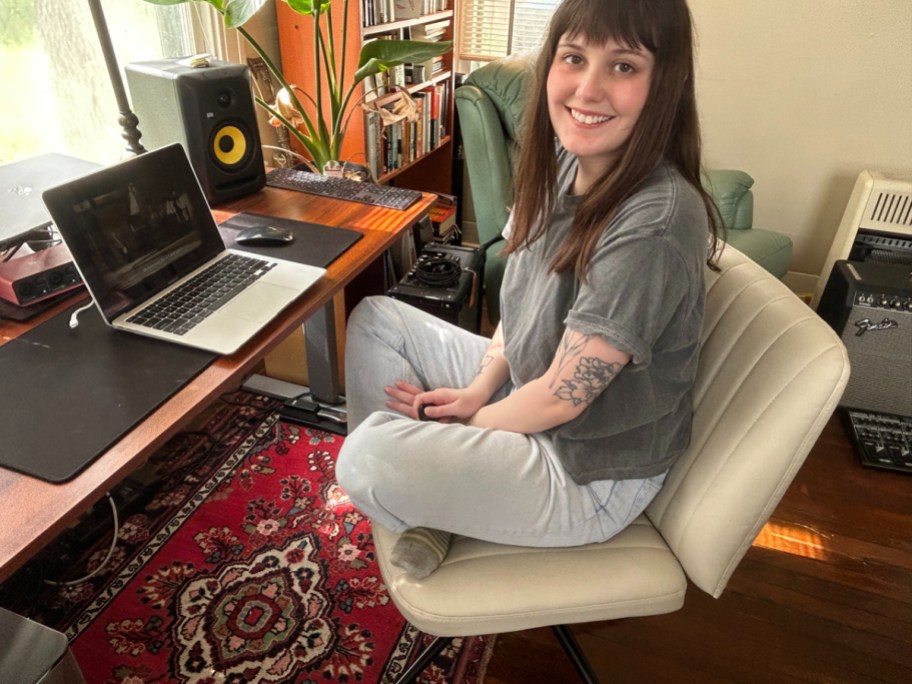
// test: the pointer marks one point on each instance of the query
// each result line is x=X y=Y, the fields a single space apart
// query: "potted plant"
x=320 y=126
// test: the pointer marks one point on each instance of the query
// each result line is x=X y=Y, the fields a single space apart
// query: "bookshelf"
x=416 y=154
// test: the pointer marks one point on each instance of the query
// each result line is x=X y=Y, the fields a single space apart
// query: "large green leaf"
x=307 y=6
x=380 y=55
x=236 y=12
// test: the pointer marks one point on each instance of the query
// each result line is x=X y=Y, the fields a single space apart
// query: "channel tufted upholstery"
x=770 y=375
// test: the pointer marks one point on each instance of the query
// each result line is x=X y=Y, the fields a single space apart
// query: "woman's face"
x=595 y=96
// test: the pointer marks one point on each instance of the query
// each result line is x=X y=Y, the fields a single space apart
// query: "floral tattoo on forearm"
x=591 y=375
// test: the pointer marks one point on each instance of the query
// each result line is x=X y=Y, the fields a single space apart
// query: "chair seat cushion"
x=632 y=574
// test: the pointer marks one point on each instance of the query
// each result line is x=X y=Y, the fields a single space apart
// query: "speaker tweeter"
x=208 y=110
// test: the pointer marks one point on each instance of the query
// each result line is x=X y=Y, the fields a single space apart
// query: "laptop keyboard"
x=185 y=307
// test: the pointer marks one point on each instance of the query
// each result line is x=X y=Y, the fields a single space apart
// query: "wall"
x=803 y=95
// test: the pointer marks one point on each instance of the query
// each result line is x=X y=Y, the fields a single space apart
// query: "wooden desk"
x=35 y=511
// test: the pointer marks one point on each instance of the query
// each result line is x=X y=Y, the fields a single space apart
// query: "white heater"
x=877 y=222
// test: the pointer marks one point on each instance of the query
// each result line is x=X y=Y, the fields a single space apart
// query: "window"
x=57 y=93
x=490 y=29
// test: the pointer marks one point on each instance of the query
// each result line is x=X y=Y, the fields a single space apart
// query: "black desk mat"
x=69 y=394
x=314 y=244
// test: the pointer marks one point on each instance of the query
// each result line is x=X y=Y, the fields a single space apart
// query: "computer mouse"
x=264 y=236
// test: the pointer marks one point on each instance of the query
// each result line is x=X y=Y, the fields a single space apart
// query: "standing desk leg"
x=322 y=358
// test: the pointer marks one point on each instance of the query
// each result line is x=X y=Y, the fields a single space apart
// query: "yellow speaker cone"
x=229 y=145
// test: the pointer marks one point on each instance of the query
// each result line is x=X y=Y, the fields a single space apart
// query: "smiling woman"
x=58 y=96
x=595 y=95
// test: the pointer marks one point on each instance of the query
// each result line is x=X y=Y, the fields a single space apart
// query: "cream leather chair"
x=770 y=375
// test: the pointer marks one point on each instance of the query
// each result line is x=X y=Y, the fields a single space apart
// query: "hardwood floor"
x=824 y=595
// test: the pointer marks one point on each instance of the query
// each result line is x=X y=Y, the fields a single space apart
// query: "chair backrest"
x=491 y=105
x=771 y=373
x=731 y=191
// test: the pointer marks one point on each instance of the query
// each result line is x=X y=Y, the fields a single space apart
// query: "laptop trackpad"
x=259 y=302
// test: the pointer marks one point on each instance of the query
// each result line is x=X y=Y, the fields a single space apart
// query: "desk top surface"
x=35 y=511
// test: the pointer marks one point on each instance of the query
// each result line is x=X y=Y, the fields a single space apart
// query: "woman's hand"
x=447 y=404
x=444 y=404
x=402 y=398
x=450 y=405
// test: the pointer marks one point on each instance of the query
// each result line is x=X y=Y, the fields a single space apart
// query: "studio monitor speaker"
x=870 y=305
x=208 y=110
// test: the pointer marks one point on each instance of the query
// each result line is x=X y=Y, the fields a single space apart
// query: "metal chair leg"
x=572 y=648
x=431 y=652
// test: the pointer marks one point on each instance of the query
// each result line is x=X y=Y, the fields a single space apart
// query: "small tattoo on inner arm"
x=591 y=376
x=485 y=362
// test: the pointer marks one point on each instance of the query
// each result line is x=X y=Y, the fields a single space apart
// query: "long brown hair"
x=668 y=127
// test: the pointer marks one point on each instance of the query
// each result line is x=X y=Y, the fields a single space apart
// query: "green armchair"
x=490 y=105
x=731 y=190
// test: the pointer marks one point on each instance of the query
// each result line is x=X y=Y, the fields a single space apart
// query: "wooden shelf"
x=379 y=29
x=405 y=168
x=430 y=171
x=386 y=98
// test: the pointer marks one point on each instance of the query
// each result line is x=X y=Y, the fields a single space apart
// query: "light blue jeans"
x=488 y=484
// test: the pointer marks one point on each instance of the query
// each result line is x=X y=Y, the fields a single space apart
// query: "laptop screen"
x=136 y=227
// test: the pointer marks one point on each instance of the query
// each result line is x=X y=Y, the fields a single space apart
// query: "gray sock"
x=420 y=550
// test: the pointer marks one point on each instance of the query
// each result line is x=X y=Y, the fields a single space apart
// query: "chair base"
x=564 y=636
x=416 y=668
x=572 y=648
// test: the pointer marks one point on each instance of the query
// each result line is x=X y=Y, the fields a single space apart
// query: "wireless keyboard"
x=342 y=188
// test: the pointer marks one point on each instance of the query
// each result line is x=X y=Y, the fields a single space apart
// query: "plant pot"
x=347 y=169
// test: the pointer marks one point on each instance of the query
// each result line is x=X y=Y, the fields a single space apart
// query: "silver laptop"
x=145 y=243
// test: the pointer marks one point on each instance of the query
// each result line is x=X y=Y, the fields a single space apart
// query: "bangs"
x=627 y=22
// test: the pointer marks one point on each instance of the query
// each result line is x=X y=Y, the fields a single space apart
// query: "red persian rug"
x=241 y=560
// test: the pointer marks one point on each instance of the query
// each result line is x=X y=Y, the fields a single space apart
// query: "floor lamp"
x=128 y=120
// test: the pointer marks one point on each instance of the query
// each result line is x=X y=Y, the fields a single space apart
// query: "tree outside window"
x=57 y=95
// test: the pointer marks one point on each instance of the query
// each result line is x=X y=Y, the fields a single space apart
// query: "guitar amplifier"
x=446 y=281
x=869 y=304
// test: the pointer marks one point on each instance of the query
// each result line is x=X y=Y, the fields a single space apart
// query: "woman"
x=560 y=429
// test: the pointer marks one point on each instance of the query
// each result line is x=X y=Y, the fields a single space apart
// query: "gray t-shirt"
x=643 y=293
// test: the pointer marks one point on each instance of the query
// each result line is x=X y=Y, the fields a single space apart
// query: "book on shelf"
x=432 y=31
x=424 y=71
x=373 y=142
x=435 y=116
x=443 y=218
x=377 y=12
x=404 y=130
x=414 y=73
x=435 y=232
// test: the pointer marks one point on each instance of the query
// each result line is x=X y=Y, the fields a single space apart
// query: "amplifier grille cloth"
x=881 y=378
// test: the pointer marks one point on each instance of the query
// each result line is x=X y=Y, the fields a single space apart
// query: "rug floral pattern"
x=247 y=564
